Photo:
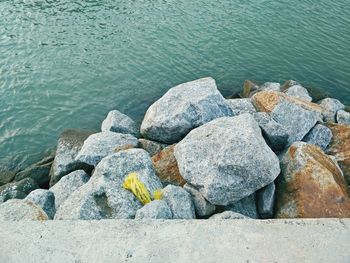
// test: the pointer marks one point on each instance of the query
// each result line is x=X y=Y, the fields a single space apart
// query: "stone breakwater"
x=277 y=151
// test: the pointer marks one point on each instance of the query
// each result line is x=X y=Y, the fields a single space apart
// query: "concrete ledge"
x=313 y=240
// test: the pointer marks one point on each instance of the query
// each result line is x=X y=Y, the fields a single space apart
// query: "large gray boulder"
x=240 y=106
x=202 y=206
x=103 y=196
x=246 y=206
x=17 y=190
x=44 y=199
x=228 y=215
x=228 y=171
x=69 y=144
x=99 y=145
x=330 y=107
x=266 y=201
x=21 y=210
x=183 y=108
x=343 y=117
x=120 y=123
x=67 y=185
x=179 y=201
x=320 y=136
x=299 y=92
x=271 y=86
x=157 y=209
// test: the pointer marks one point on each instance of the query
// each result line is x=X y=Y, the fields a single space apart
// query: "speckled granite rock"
x=21 y=210
x=246 y=206
x=330 y=107
x=270 y=86
x=44 y=199
x=120 y=123
x=240 y=106
x=298 y=92
x=202 y=206
x=266 y=200
x=319 y=135
x=343 y=117
x=151 y=147
x=179 y=201
x=228 y=215
x=157 y=209
x=183 y=108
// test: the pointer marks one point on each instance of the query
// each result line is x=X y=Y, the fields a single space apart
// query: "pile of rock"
x=271 y=153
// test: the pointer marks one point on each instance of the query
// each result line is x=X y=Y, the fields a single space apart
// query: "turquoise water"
x=66 y=63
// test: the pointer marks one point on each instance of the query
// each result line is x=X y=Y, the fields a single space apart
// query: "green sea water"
x=66 y=63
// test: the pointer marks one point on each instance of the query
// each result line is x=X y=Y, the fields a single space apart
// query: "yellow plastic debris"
x=158 y=194
x=133 y=184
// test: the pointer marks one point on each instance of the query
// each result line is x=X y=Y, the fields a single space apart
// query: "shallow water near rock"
x=65 y=64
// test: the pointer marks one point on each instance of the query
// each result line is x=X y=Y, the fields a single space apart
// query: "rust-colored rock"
x=340 y=147
x=166 y=167
x=311 y=185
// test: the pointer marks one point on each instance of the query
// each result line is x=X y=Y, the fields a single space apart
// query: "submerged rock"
x=103 y=196
x=99 y=145
x=299 y=92
x=240 y=106
x=319 y=135
x=151 y=147
x=44 y=199
x=248 y=88
x=156 y=209
x=21 y=210
x=266 y=201
x=330 y=107
x=245 y=206
x=343 y=117
x=310 y=185
x=227 y=172
x=228 y=215
x=166 y=167
x=183 y=108
x=339 y=147
x=17 y=190
x=120 y=123
x=202 y=206
x=6 y=176
x=69 y=144
x=179 y=201
x=67 y=185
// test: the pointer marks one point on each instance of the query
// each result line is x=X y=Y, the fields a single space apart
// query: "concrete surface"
x=318 y=240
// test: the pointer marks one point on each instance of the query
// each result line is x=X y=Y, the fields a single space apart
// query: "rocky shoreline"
x=275 y=152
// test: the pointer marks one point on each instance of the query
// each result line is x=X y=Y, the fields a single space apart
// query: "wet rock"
x=266 y=201
x=339 y=147
x=227 y=172
x=183 y=108
x=103 y=195
x=228 y=215
x=39 y=172
x=202 y=206
x=248 y=88
x=120 y=123
x=44 y=199
x=270 y=86
x=319 y=135
x=311 y=185
x=299 y=92
x=156 y=209
x=21 y=210
x=69 y=144
x=151 y=147
x=67 y=185
x=289 y=83
x=343 y=117
x=179 y=201
x=275 y=135
x=166 y=167
x=330 y=107
x=296 y=116
x=102 y=144
x=6 y=176
x=240 y=106
x=17 y=190
x=245 y=206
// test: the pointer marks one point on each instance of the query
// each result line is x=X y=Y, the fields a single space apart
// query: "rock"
x=245 y=206
x=274 y=133
x=240 y=106
x=156 y=209
x=270 y=86
x=151 y=147
x=310 y=185
x=103 y=196
x=319 y=135
x=17 y=190
x=179 y=201
x=6 y=176
x=340 y=147
x=183 y=108
x=69 y=144
x=296 y=116
x=67 y=185
x=298 y=92
x=289 y=83
x=228 y=215
x=227 y=172
x=166 y=167
x=39 y=172
x=44 y=199
x=266 y=201
x=248 y=88
x=343 y=117
x=120 y=123
x=201 y=206
x=21 y=210
x=330 y=107
x=99 y=145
